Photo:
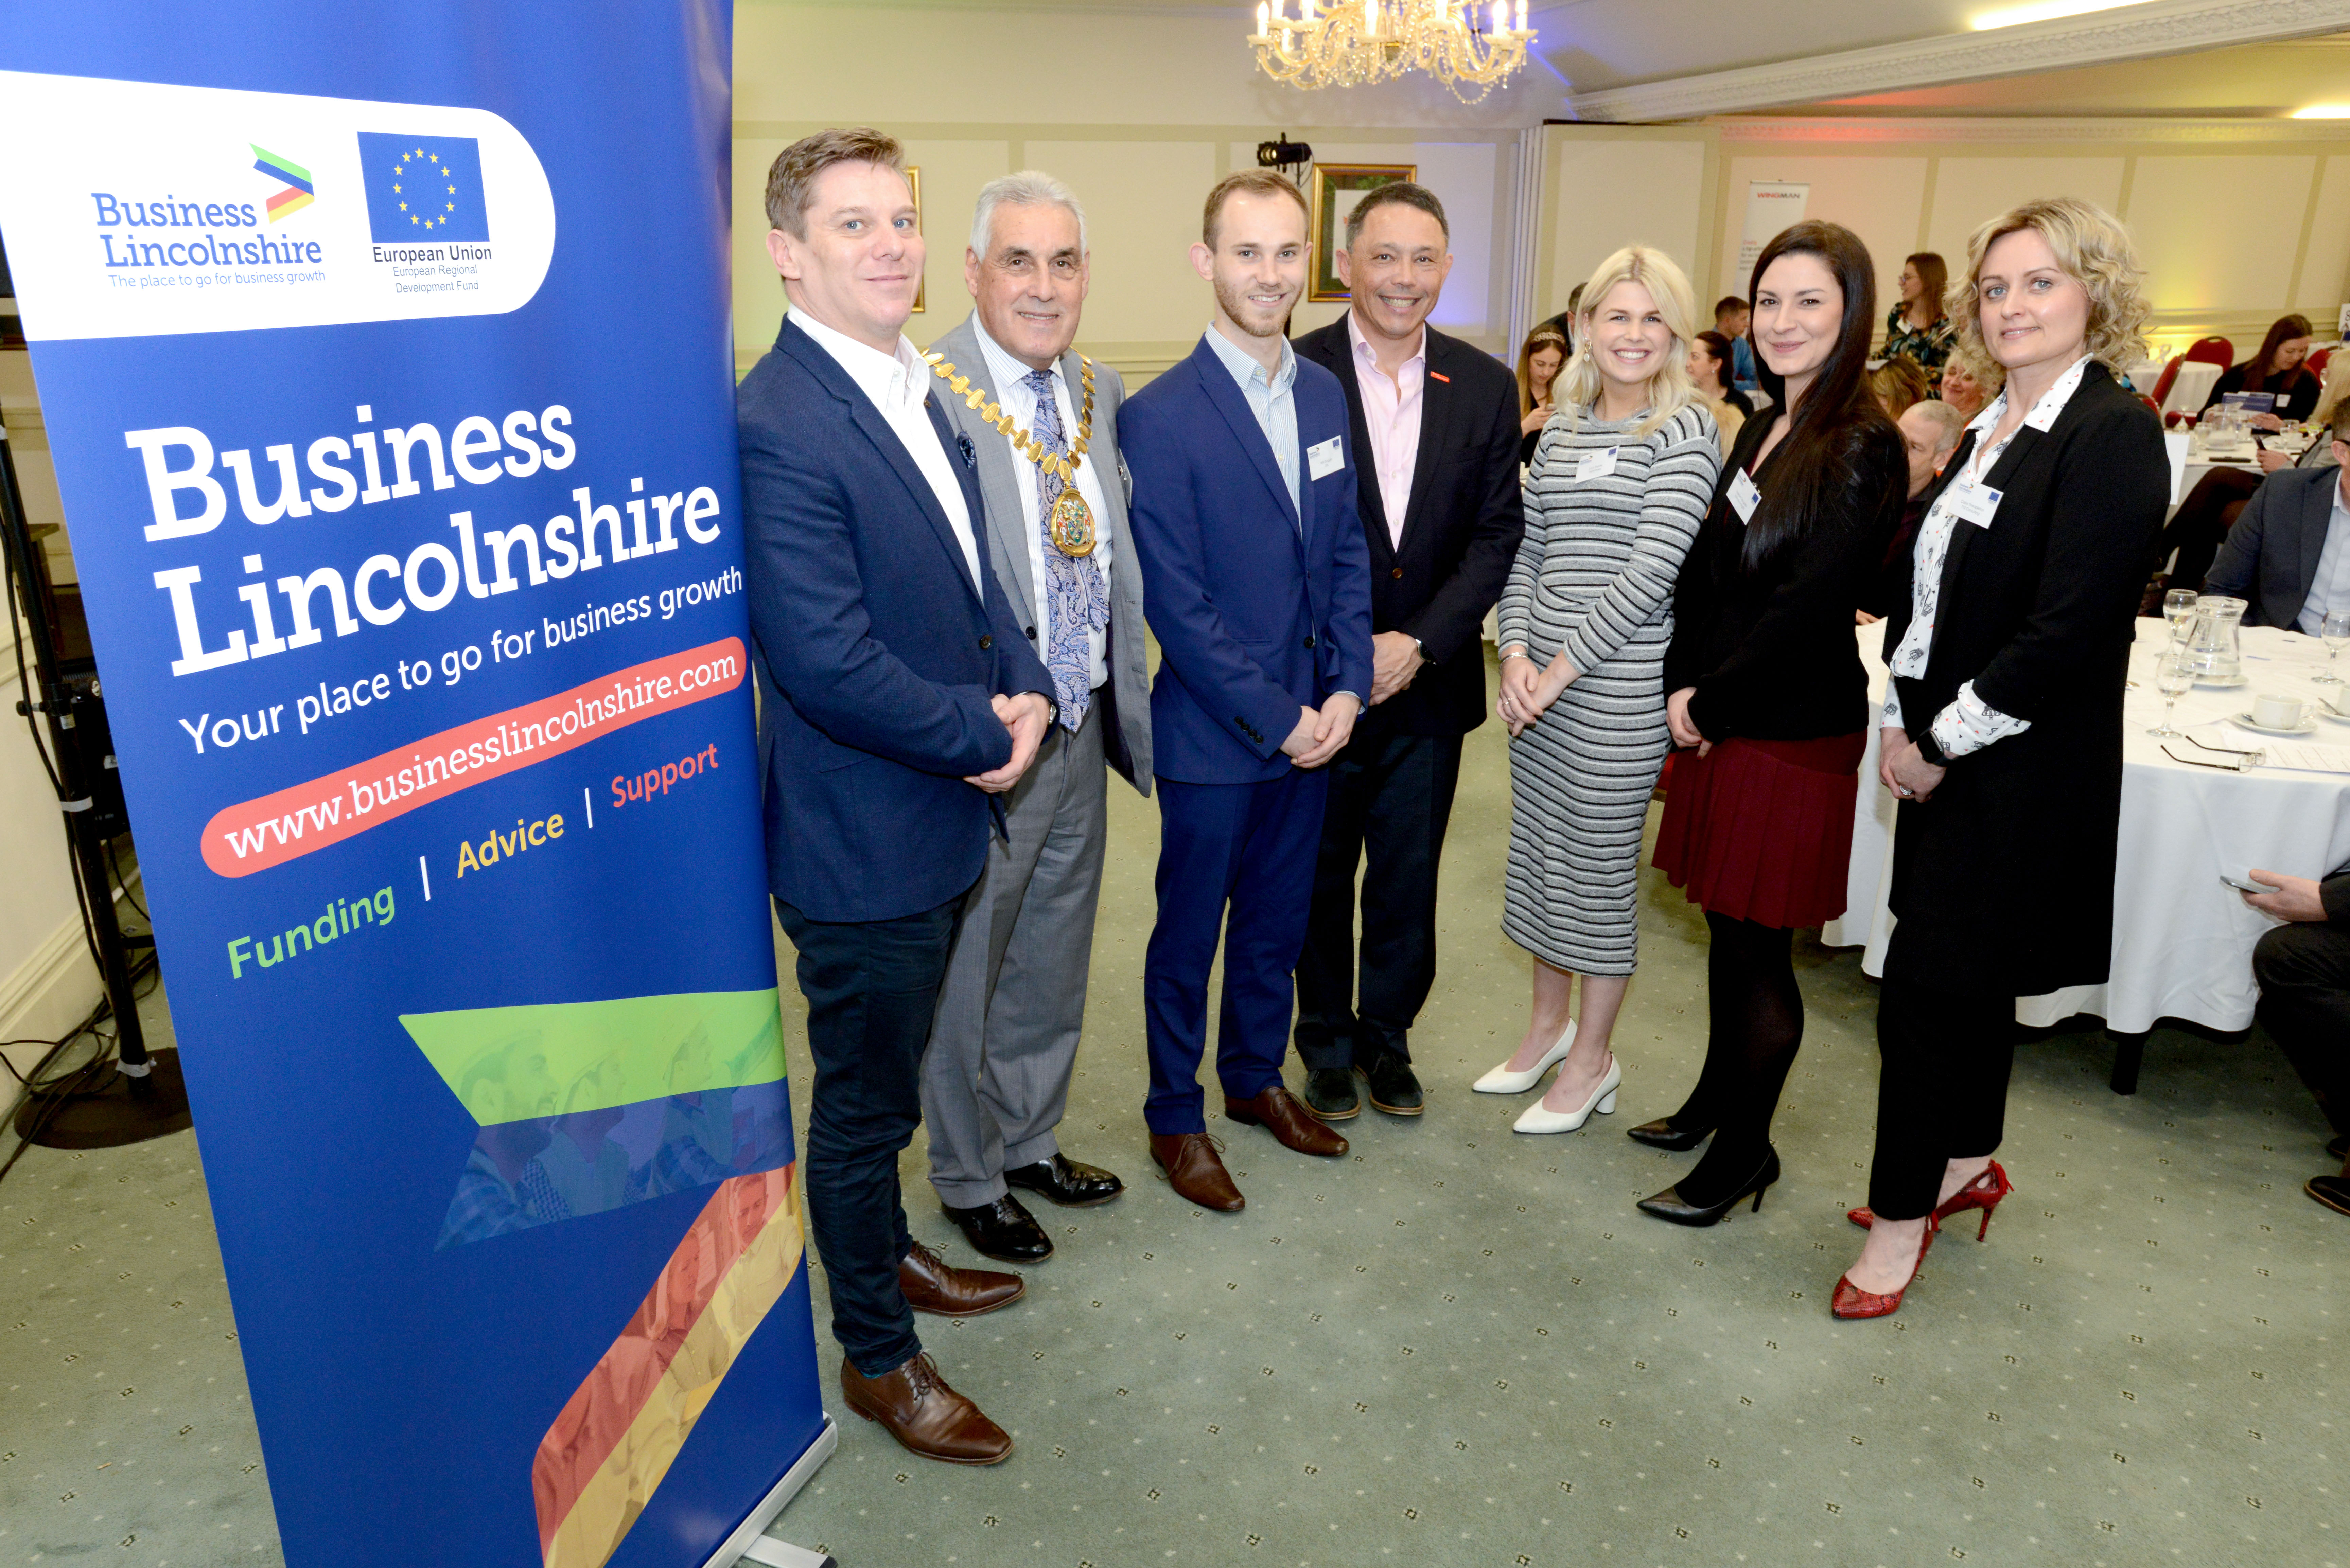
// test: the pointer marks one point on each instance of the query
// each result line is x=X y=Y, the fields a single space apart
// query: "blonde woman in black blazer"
x=2002 y=726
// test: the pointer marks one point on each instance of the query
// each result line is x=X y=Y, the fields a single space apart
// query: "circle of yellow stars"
x=399 y=170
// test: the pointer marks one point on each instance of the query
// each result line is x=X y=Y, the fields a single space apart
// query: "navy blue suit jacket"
x=877 y=653
x=1254 y=620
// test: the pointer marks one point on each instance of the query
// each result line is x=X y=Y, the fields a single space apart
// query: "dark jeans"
x=871 y=988
x=2303 y=973
x=1941 y=1087
x=1391 y=800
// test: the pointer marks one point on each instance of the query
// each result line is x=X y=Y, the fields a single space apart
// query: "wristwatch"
x=1929 y=748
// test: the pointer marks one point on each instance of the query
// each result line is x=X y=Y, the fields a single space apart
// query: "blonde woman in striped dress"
x=1619 y=487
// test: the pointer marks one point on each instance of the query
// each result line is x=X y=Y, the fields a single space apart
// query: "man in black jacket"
x=2303 y=969
x=1435 y=438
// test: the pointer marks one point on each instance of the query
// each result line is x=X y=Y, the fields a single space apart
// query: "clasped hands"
x=1528 y=693
x=1321 y=735
x=1026 y=716
x=1902 y=768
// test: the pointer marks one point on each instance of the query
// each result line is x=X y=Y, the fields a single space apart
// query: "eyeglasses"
x=2238 y=762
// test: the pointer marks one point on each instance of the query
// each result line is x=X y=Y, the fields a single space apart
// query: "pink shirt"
x=1391 y=409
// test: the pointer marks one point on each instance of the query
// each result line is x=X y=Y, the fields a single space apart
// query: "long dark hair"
x=1718 y=345
x=1933 y=280
x=2282 y=331
x=1835 y=408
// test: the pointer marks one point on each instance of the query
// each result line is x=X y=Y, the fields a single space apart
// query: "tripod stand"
x=139 y=1094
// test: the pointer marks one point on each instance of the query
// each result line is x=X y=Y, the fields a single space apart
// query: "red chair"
x=2317 y=362
x=2213 y=351
x=2149 y=402
x=2162 y=383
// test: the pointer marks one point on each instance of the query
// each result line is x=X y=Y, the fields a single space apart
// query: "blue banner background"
x=402 y=1392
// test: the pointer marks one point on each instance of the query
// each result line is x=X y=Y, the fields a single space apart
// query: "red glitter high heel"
x=1983 y=1192
x=1851 y=1301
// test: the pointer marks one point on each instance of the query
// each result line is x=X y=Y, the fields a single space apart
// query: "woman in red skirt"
x=1767 y=688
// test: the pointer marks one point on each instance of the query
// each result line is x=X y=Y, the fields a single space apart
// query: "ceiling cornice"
x=2132 y=32
x=2066 y=133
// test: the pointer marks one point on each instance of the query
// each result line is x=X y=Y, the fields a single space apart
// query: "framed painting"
x=1337 y=188
x=914 y=181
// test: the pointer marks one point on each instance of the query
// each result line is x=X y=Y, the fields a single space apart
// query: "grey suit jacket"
x=2269 y=558
x=1000 y=478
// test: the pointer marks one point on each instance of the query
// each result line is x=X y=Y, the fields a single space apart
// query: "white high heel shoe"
x=1501 y=1080
x=1602 y=1100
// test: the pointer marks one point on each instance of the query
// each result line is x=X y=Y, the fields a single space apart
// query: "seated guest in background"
x=1731 y=316
x=2278 y=369
x=1768 y=688
x=2287 y=556
x=1914 y=329
x=1896 y=385
x=995 y=1080
x=2002 y=718
x=1968 y=384
x=1615 y=495
x=2332 y=393
x=1255 y=581
x=897 y=696
x=1708 y=367
x=1930 y=431
x=2303 y=969
x=1435 y=487
x=1539 y=363
x=1564 y=322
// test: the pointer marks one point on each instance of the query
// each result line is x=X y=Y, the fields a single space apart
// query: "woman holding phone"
x=1769 y=691
x=2002 y=721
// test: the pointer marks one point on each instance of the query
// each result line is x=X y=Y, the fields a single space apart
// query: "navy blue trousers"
x=1234 y=861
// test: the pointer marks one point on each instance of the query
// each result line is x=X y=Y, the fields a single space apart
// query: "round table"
x=2182 y=938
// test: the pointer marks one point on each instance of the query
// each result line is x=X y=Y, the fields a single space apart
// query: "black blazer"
x=1771 y=651
x=2270 y=557
x=1461 y=531
x=2296 y=397
x=2006 y=874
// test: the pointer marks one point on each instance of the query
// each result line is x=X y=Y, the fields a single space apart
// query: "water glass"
x=2178 y=609
x=2174 y=678
x=2335 y=629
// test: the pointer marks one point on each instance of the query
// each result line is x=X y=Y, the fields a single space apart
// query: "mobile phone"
x=2246 y=887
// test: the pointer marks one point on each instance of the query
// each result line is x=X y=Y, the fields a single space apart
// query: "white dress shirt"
x=1968 y=723
x=1009 y=378
x=1391 y=414
x=1271 y=399
x=899 y=385
x=2329 y=589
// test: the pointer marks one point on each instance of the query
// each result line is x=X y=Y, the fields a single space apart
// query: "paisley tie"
x=1075 y=600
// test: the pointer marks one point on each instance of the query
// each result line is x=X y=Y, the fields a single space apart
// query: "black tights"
x=1754 y=1024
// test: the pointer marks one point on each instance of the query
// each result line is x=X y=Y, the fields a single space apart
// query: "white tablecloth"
x=2182 y=938
x=2192 y=388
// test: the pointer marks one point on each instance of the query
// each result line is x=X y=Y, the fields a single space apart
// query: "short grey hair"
x=1948 y=422
x=1029 y=188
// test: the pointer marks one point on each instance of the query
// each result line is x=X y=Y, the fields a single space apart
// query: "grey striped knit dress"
x=1594 y=577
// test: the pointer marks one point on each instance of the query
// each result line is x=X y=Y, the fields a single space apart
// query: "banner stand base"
x=749 y=1543
x=126 y=1110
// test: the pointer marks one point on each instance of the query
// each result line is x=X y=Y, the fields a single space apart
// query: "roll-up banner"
x=386 y=365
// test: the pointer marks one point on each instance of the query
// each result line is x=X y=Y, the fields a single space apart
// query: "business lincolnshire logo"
x=298 y=193
x=423 y=188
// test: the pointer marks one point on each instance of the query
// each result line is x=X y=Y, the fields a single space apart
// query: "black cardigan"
x=2005 y=876
x=1771 y=651
x=2297 y=400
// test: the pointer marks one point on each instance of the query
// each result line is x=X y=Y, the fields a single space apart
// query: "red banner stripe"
x=274 y=828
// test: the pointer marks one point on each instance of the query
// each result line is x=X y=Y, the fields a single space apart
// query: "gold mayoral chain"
x=1071 y=524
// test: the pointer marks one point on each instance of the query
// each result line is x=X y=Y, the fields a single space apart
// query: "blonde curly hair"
x=1577 y=385
x=2095 y=251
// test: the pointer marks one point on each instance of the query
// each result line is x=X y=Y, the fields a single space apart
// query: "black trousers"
x=1755 y=1026
x=871 y=986
x=2303 y=973
x=1941 y=1087
x=1391 y=801
x=2201 y=526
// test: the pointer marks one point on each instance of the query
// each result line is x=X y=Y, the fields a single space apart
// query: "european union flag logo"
x=423 y=188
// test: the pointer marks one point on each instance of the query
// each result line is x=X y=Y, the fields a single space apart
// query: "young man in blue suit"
x=897 y=699
x=1257 y=582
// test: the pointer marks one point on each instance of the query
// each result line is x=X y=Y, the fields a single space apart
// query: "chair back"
x=2162 y=382
x=2317 y=362
x=2217 y=352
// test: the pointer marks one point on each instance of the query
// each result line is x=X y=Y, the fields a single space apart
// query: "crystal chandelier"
x=1346 y=43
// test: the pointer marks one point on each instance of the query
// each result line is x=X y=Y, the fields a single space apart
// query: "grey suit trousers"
x=1003 y=1041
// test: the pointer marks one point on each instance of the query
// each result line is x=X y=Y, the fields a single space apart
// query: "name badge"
x=1744 y=495
x=1596 y=464
x=1975 y=503
x=1324 y=458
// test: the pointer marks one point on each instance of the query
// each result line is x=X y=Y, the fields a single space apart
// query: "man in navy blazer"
x=899 y=698
x=2289 y=553
x=1257 y=582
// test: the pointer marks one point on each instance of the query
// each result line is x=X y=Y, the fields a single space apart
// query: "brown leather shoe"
x=932 y=1286
x=1280 y=1113
x=1194 y=1171
x=915 y=1406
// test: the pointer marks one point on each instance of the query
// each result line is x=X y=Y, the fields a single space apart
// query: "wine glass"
x=2335 y=629
x=2174 y=678
x=2178 y=607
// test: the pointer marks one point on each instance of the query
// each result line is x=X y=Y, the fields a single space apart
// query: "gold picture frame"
x=914 y=183
x=1329 y=205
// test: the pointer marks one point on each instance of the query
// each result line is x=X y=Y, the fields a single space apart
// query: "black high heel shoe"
x=1671 y=1205
x=1662 y=1133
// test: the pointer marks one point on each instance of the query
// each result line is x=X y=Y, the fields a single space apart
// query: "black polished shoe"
x=2340 y=1147
x=1662 y=1133
x=1671 y=1205
x=1003 y=1230
x=1330 y=1094
x=2334 y=1191
x=1392 y=1086
x=1063 y=1180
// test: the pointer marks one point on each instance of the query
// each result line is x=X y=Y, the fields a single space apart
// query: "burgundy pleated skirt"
x=1761 y=830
